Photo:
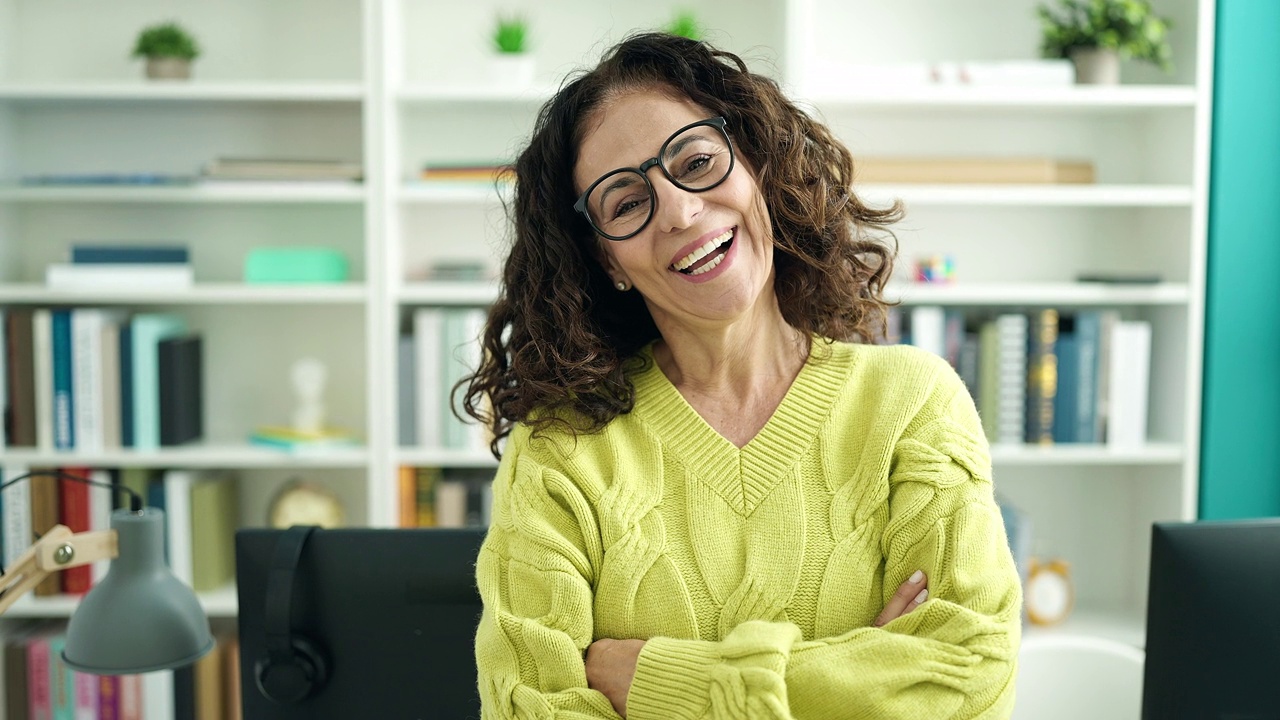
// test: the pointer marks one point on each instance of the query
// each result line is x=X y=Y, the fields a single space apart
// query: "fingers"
x=909 y=596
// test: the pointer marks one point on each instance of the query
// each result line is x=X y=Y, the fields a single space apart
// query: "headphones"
x=295 y=666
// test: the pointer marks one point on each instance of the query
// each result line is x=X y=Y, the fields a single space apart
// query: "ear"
x=610 y=266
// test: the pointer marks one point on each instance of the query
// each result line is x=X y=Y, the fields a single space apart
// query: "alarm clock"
x=1049 y=594
x=305 y=503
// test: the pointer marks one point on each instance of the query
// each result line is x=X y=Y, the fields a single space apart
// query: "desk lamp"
x=139 y=618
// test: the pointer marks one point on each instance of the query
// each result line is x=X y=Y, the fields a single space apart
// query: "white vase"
x=1096 y=66
x=511 y=70
x=168 y=68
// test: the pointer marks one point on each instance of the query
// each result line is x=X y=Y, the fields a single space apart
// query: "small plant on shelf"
x=511 y=35
x=685 y=24
x=168 y=49
x=1097 y=34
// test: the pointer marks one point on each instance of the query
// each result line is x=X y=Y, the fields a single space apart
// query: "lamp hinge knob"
x=64 y=554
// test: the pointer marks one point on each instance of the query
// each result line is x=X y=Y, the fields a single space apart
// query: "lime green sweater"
x=755 y=574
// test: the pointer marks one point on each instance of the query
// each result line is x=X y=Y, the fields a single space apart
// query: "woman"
x=711 y=503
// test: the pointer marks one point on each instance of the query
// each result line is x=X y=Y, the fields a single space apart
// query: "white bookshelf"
x=396 y=83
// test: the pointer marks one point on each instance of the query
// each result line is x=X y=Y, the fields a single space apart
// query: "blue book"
x=126 y=384
x=1064 y=402
x=64 y=427
x=131 y=255
x=146 y=332
x=1088 y=344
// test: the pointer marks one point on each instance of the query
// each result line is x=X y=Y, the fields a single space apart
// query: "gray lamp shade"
x=139 y=618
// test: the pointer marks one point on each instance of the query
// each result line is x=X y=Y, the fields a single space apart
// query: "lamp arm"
x=56 y=550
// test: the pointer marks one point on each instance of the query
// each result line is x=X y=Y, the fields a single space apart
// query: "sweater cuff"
x=672 y=680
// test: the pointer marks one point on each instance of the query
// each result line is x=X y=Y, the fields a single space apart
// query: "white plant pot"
x=1096 y=66
x=168 y=68
x=511 y=70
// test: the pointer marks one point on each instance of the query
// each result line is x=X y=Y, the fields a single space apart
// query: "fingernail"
x=924 y=595
x=916 y=577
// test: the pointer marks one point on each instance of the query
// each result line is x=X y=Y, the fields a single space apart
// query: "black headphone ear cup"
x=292 y=681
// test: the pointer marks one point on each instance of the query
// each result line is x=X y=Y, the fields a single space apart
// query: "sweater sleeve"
x=535 y=579
x=953 y=657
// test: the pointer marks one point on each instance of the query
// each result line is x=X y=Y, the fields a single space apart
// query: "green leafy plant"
x=166 y=40
x=511 y=35
x=1129 y=27
x=685 y=25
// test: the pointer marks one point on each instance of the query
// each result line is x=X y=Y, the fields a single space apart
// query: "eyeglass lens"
x=695 y=159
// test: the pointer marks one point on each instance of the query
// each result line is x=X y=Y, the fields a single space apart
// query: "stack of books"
x=282 y=169
x=94 y=267
x=468 y=172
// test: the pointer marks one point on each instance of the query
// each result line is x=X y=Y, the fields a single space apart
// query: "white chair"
x=1073 y=677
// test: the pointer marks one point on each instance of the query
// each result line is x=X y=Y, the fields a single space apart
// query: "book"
x=87 y=690
x=64 y=430
x=1011 y=391
x=108 y=697
x=209 y=697
x=428 y=330
x=16 y=671
x=1042 y=375
x=42 y=364
x=158 y=695
x=89 y=374
x=989 y=379
x=993 y=170
x=1065 y=414
x=426 y=479
x=6 y=412
x=126 y=384
x=44 y=515
x=131 y=697
x=147 y=330
x=451 y=503
x=406 y=375
x=181 y=379
x=111 y=383
x=213 y=505
x=140 y=277
x=16 y=503
x=20 y=371
x=101 y=504
x=286 y=438
x=73 y=511
x=92 y=254
x=62 y=683
x=234 y=701
x=928 y=329
x=1088 y=327
x=407 y=502
x=1102 y=402
x=1130 y=378
x=276 y=168
x=39 y=676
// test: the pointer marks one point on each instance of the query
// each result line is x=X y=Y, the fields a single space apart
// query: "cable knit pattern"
x=754 y=574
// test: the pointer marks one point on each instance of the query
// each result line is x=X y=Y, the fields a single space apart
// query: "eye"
x=629 y=205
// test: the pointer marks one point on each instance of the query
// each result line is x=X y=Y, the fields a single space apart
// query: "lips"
x=706 y=256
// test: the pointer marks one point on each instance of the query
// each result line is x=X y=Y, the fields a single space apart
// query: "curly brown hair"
x=559 y=337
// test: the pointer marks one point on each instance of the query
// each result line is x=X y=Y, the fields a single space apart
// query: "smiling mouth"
x=707 y=257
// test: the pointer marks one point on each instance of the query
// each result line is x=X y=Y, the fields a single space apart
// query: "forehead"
x=628 y=130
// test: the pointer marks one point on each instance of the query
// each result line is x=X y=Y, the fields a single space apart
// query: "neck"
x=738 y=359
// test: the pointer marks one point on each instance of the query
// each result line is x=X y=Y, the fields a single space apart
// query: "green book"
x=213 y=530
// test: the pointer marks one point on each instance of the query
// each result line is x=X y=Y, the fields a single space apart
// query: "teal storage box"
x=295 y=264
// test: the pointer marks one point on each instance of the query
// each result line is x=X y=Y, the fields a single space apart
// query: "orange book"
x=994 y=170
x=408 y=486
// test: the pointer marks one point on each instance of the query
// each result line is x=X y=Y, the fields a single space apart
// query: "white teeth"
x=702 y=252
x=709 y=266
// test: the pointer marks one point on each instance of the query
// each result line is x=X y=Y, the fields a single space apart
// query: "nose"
x=676 y=208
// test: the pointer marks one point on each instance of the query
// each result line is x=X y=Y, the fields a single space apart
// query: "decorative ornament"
x=1049 y=592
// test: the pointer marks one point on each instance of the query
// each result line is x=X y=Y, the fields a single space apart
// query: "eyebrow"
x=623 y=181
x=677 y=147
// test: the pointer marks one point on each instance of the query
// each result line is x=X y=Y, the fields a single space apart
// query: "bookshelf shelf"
x=439 y=457
x=448 y=293
x=193 y=91
x=220 y=603
x=208 y=192
x=461 y=193
x=1077 y=98
x=200 y=294
x=1044 y=294
x=1112 y=622
x=432 y=94
x=197 y=455
x=1083 y=196
x=1072 y=455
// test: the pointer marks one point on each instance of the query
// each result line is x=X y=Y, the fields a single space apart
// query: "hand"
x=611 y=665
x=910 y=595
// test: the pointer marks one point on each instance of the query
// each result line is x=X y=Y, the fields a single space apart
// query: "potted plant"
x=1096 y=34
x=512 y=62
x=169 y=50
x=685 y=24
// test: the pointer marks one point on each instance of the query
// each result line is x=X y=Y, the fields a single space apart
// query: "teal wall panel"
x=1240 y=474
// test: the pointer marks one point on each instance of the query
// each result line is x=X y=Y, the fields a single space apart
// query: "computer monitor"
x=392 y=613
x=1213 y=621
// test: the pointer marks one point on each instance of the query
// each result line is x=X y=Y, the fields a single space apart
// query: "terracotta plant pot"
x=1096 y=66
x=168 y=68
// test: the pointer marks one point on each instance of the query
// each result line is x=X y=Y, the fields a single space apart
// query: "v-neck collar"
x=743 y=477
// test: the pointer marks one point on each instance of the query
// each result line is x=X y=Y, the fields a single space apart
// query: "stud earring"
x=622 y=286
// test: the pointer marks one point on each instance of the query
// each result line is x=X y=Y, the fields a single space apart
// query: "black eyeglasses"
x=696 y=158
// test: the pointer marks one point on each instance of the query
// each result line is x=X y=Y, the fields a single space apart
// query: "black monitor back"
x=1213 y=633
x=395 y=612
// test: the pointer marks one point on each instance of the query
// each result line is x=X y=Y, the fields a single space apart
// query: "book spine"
x=989 y=379
x=108 y=697
x=101 y=500
x=44 y=515
x=1042 y=376
x=73 y=511
x=126 y=384
x=177 y=500
x=22 y=379
x=425 y=482
x=158 y=695
x=88 y=690
x=1012 y=353
x=406 y=481
x=213 y=531
x=64 y=429
x=1130 y=376
x=180 y=382
x=428 y=330
x=130 y=255
x=111 y=383
x=86 y=377
x=17 y=514
x=131 y=697
x=1064 y=402
x=1088 y=325
x=42 y=370
x=407 y=427
x=6 y=411
x=148 y=331
x=39 y=679
x=62 y=683
x=928 y=329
